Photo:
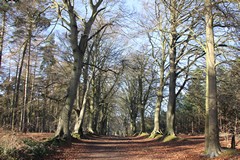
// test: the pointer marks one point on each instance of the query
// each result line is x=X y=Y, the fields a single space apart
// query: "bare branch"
x=98 y=31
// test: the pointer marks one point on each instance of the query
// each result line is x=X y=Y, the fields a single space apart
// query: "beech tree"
x=78 y=48
x=212 y=145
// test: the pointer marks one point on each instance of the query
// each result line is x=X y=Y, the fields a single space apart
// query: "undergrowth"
x=17 y=149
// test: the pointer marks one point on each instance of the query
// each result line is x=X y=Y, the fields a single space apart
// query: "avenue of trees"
x=110 y=67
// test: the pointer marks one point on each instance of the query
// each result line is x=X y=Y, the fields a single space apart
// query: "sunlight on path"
x=118 y=148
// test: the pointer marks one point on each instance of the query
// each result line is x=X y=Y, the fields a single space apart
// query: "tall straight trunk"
x=91 y=116
x=142 y=115
x=32 y=92
x=172 y=84
x=212 y=146
x=18 y=81
x=157 y=117
x=97 y=97
x=26 y=85
x=25 y=98
x=90 y=125
x=14 y=97
x=4 y=19
x=133 y=126
x=104 y=120
x=156 y=128
x=19 y=75
x=141 y=103
x=43 y=126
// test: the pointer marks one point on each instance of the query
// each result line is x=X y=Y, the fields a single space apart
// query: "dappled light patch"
x=169 y=138
x=114 y=147
x=144 y=134
x=158 y=136
x=76 y=135
x=103 y=147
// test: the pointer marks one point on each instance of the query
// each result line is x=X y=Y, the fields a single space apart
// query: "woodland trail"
x=134 y=148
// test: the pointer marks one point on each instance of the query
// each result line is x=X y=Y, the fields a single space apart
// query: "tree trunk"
x=86 y=86
x=91 y=116
x=172 y=85
x=78 y=50
x=26 y=85
x=2 y=35
x=142 y=110
x=79 y=121
x=212 y=146
x=16 y=100
x=97 y=94
x=133 y=126
x=141 y=103
x=64 y=119
x=156 y=129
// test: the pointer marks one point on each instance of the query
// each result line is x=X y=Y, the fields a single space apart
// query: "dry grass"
x=10 y=140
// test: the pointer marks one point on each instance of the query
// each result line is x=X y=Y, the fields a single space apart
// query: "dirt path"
x=114 y=148
x=117 y=148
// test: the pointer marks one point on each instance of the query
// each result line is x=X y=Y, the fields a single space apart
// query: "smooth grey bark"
x=83 y=102
x=141 y=103
x=170 y=118
x=133 y=125
x=79 y=120
x=78 y=50
x=90 y=117
x=97 y=97
x=156 y=129
x=212 y=145
x=161 y=63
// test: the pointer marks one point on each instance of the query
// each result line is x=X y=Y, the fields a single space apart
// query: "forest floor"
x=134 y=148
x=138 y=148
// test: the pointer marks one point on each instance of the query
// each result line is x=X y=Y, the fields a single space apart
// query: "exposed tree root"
x=167 y=138
x=214 y=153
x=155 y=134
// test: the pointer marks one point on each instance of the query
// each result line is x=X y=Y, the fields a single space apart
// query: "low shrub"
x=36 y=150
x=13 y=148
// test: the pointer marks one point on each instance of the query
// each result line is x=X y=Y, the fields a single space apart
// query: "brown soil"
x=136 y=148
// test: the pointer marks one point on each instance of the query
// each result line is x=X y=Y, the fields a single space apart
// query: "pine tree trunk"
x=212 y=146
x=4 y=19
x=15 y=104
x=26 y=85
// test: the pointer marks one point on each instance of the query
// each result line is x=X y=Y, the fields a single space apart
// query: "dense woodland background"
x=126 y=66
